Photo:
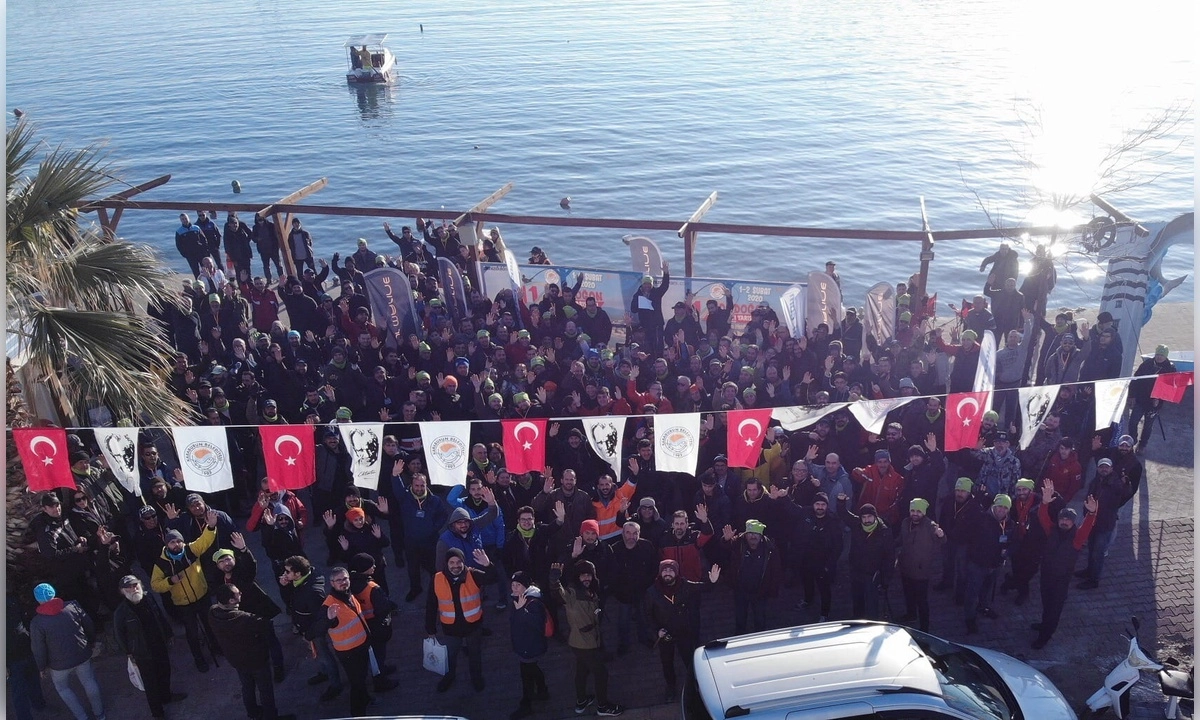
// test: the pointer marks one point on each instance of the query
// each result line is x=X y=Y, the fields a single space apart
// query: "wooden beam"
x=129 y=192
x=926 y=257
x=300 y=194
x=1118 y=215
x=283 y=225
x=484 y=204
x=700 y=212
x=688 y=234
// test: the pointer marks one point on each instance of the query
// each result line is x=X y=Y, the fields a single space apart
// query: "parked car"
x=863 y=669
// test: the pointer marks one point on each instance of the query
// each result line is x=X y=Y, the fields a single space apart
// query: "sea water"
x=827 y=114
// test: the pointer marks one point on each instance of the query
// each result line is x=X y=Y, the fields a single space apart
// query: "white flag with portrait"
x=677 y=442
x=871 y=413
x=985 y=372
x=447 y=450
x=204 y=458
x=1110 y=401
x=605 y=435
x=1035 y=406
x=120 y=449
x=365 y=443
x=798 y=417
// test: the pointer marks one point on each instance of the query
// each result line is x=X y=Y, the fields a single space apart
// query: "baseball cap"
x=1104 y=462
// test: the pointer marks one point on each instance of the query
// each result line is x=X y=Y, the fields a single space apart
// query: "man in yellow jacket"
x=178 y=573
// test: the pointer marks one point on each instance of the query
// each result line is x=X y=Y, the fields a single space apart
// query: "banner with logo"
x=365 y=443
x=605 y=435
x=824 y=301
x=447 y=450
x=453 y=289
x=645 y=257
x=289 y=454
x=120 y=448
x=524 y=445
x=1110 y=401
x=871 y=413
x=1035 y=406
x=879 y=312
x=44 y=456
x=792 y=305
x=744 y=436
x=204 y=458
x=677 y=442
x=985 y=371
x=392 y=305
x=799 y=417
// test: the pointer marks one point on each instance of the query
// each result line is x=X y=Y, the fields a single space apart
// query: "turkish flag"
x=744 y=433
x=1172 y=386
x=964 y=417
x=44 y=454
x=524 y=445
x=289 y=455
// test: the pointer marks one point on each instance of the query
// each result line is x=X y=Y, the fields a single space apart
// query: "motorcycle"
x=1121 y=679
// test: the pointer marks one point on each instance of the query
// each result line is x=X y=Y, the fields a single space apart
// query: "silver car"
x=863 y=669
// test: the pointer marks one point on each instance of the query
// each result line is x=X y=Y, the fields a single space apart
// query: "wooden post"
x=484 y=204
x=109 y=225
x=283 y=228
x=926 y=257
x=689 y=234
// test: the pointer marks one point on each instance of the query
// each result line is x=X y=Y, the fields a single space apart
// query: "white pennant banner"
x=799 y=417
x=677 y=442
x=204 y=458
x=447 y=450
x=605 y=435
x=119 y=446
x=1035 y=406
x=365 y=443
x=1110 y=401
x=985 y=372
x=871 y=413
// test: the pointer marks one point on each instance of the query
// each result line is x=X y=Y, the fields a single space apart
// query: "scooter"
x=1121 y=679
x=1176 y=686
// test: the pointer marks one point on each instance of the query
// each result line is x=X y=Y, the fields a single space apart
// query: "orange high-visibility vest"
x=468 y=596
x=364 y=600
x=606 y=515
x=351 y=630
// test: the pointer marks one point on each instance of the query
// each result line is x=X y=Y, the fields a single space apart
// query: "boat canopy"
x=368 y=39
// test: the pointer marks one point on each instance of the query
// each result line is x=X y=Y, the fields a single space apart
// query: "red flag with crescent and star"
x=44 y=454
x=964 y=417
x=745 y=432
x=289 y=455
x=524 y=445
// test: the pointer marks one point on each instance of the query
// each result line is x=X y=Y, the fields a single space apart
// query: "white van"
x=863 y=669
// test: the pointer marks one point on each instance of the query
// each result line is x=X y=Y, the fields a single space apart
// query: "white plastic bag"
x=435 y=658
x=135 y=675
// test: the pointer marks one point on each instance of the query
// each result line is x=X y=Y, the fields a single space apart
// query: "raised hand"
x=210 y=518
x=811 y=454
x=938 y=532
x=489 y=497
x=376 y=530
x=728 y=534
x=842 y=497
x=1048 y=492
x=577 y=546
x=931 y=442
x=633 y=466
x=481 y=557
x=624 y=505
x=237 y=541
x=397 y=468
x=329 y=518
x=331 y=612
x=702 y=513
x=343 y=542
x=1091 y=504
x=560 y=512
x=715 y=574
x=268 y=517
x=382 y=504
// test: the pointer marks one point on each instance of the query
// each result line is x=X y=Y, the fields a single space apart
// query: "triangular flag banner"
x=204 y=458
x=43 y=454
x=871 y=413
x=985 y=372
x=1172 y=386
x=1035 y=406
x=524 y=445
x=605 y=435
x=365 y=443
x=289 y=455
x=798 y=417
x=745 y=432
x=964 y=418
x=447 y=449
x=677 y=442
x=119 y=446
x=1110 y=401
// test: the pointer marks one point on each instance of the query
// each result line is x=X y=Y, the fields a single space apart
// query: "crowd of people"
x=601 y=561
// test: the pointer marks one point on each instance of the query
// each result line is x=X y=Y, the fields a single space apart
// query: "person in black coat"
x=268 y=246
x=237 y=244
x=142 y=632
x=1060 y=551
x=239 y=567
x=244 y=639
x=303 y=592
x=871 y=556
x=527 y=628
x=989 y=541
x=819 y=542
x=632 y=562
x=646 y=306
x=672 y=608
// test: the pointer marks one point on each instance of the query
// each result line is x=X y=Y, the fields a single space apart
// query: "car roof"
x=835 y=661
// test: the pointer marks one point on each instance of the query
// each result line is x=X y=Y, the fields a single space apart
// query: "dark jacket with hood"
x=674 y=608
x=305 y=600
x=255 y=600
x=241 y=635
x=527 y=626
x=870 y=551
x=142 y=630
x=61 y=635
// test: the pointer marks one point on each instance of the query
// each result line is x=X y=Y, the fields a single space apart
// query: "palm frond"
x=21 y=146
x=40 y=208
x=100 y=275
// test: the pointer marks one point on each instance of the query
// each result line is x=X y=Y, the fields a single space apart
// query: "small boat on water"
x=370 y=62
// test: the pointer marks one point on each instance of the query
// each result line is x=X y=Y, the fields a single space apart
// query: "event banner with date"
x=613 y=290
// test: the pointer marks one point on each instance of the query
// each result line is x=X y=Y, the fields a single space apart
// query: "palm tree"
x=73 y=294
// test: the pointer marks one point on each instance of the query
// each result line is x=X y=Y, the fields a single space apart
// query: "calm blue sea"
x=836 y=114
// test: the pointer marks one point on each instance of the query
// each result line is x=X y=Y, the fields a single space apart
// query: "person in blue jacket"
x=528 y=632
x=491 y=535
x=424 y=515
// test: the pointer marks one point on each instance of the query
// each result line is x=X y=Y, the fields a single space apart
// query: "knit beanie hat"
x=964 y=483
x=921 y=505
x=44 y=592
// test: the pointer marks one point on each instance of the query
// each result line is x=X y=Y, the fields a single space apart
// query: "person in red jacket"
x=267 y=499
x=1064 y=470
x=684 y=543
x=880 y=485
